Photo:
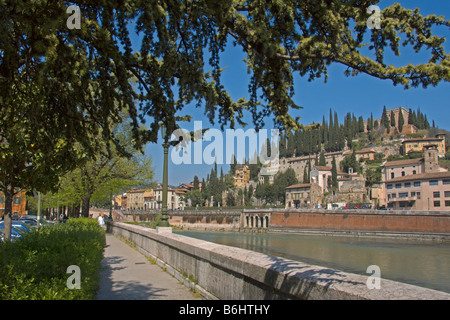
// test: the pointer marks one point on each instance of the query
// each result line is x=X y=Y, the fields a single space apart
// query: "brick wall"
x=349 y=221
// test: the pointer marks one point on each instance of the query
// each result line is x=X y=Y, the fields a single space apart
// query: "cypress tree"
x=361 y=124
x=371 y=121
x=196 y=183
x=410 y=117
x=426 y=124
x=354 y=126
x=420 y=120
x=334 y=182
x=322 y=161
x=330 y=132
x=305 y=176
x=324 y=131
x=336 y=132
x=401 y=121
x=375 y=124
x=385 y=119
x=393 y=123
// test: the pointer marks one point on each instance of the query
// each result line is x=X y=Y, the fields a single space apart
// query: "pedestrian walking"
x=101 y=221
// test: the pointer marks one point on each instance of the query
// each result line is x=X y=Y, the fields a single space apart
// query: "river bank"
x=408 y=260
x=205 y=227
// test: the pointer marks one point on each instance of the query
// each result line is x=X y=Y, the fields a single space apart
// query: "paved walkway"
x=127 y=275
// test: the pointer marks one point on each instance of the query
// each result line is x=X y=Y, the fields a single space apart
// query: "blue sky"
x=360 y=95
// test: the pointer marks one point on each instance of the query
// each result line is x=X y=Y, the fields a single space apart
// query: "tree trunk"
x=7 y=216
x=85 y=206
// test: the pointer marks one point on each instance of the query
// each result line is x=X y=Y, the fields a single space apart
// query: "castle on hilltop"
x=397 y=113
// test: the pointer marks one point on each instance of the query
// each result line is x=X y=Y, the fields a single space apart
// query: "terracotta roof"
x=323 y=168
x=327 y=168
x=398 y=163
x=421 y=176
x=421 y=140
x=168 y=189
x=295 y=186
x=362 y=151
x=187 y=184
x=310 y=157
x=136 y=191
x=333 y=153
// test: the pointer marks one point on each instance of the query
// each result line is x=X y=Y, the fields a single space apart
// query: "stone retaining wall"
x=237 y=274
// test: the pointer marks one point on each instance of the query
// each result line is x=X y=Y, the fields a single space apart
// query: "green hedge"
x=35 y=266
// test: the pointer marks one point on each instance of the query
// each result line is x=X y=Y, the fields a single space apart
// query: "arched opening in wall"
x=256 y=221
x=251 y=221
x=262 y=222
x=246 y=221
x=267 y=221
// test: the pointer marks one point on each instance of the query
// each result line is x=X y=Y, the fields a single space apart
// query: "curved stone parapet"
x=232 y=273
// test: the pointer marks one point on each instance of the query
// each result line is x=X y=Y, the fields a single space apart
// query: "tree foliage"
x=276 y=192
x=61 y=89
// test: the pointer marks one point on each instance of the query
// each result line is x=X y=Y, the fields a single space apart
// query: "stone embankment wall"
x=230 y=273
x=362 y=220
x=220 y=220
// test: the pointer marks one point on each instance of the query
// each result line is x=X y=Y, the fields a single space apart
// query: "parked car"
x=30 y=222
x=15 y=232
x=43 y=222
x=14 y=237
x=22 y=225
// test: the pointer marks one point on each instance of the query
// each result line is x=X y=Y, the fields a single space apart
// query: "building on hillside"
x=298 y=164
x=322 y=175
x=351 y=186
x=303 y=195
x=428 y=191
x=407 y=128
x=376 y=195
x=419 y=144
x=366 y=154
x=402 y=168
x=19 y=204
x=187 y=186
x=421 y=185
x=175 y=199
x=241 y=176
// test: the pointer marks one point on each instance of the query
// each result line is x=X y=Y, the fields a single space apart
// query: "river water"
x=424 y=263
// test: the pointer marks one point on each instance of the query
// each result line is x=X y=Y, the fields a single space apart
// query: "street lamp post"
x=164 y=222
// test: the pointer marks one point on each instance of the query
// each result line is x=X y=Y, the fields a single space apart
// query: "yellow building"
x=241 y=176
x=137 y=199
x=419 y=144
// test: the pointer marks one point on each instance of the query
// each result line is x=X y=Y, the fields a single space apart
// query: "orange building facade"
x=19 y=204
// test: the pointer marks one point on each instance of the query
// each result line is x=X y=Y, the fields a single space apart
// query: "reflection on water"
x=422 y=263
